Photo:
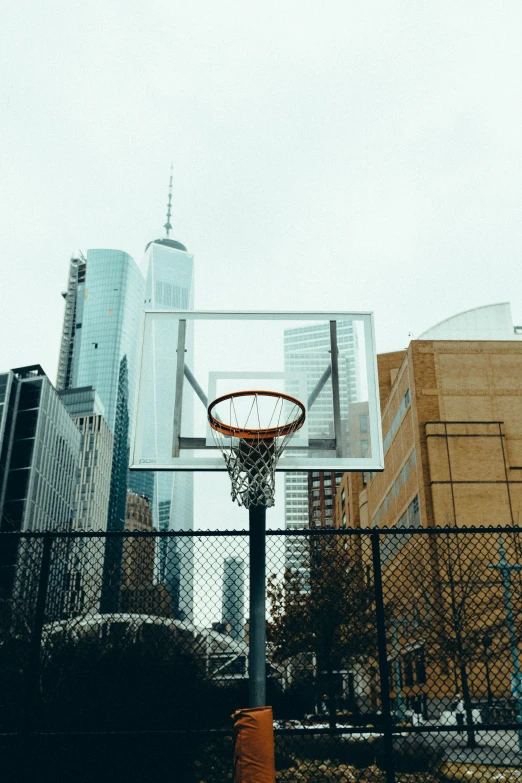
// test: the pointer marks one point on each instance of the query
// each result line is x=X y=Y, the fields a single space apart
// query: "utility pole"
x=505 y=570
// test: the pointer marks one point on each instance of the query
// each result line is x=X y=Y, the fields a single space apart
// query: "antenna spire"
x=168 y=225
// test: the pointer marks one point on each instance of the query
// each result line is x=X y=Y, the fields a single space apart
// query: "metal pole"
x=319 y=386
x=399 y=712
x=336 y=399
x=505 y=571
x=180 y=371
x=195 y=385
x=380 y=620
x=257 y=627
x=34 y=658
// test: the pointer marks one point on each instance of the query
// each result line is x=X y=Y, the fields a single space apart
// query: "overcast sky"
x=333 y=155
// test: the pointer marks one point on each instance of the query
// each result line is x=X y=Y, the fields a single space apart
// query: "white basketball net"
x=251 y=462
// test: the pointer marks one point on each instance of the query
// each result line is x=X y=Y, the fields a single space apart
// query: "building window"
x=405 y=402
x=411 y=517
x=364 y=448
x=363 y=423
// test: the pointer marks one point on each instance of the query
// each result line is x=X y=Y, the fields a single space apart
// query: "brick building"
x=452 y=429
x=139 y=594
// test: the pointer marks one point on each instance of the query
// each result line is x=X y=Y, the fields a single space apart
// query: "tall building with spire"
x=169 y=285
x=104 y=303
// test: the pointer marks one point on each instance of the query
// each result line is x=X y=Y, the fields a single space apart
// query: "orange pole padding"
x=254 y=745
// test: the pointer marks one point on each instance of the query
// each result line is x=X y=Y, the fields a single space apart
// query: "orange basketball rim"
x=280 y=430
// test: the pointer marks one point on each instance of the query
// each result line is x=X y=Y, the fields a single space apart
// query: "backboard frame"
x=183 y=459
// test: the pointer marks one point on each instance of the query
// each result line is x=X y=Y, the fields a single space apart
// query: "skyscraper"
x=307 y=351
x=109 y=304
x=112 y=566
x=169 y=285
x=92 y=499
x=73 y=302
x=234 y=597
x=99 y=348
x=39 y=451
x=92 y=494
x=104 y=305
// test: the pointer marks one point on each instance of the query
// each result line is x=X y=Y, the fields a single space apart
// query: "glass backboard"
x=326 y=360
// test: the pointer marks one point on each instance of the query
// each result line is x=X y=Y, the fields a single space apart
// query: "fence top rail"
x=357 y=532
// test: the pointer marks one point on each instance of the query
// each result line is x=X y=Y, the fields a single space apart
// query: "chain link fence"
x=392 y=655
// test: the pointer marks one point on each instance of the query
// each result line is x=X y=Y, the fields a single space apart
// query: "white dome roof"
x=490 y=322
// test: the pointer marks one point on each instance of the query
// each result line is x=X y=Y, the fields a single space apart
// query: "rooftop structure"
x=488 y=322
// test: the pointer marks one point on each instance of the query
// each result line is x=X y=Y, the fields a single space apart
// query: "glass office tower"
x=169 y=285
x=108 y=324
x=102 y=323
x=307 y=350
x=100 y=343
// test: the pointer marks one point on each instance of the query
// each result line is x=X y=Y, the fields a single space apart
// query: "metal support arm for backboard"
x=195 y=385
x=319 y=386
x=335 y=389
x=201 y=443
x=178 y=400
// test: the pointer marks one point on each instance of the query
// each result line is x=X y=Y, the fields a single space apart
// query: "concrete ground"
x=498 y=748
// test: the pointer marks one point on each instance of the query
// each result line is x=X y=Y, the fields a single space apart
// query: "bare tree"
x=463 y=605
x=328 y=613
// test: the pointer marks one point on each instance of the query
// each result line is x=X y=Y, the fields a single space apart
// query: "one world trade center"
x=169 y=273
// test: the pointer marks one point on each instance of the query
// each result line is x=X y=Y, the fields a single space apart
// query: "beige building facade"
x=452 y=430
x=91 y=499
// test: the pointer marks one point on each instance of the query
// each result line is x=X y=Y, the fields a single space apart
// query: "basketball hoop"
x=251 y=453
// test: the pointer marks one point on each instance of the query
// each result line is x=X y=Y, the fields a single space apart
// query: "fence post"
x=387 y=723
x=34 y=657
